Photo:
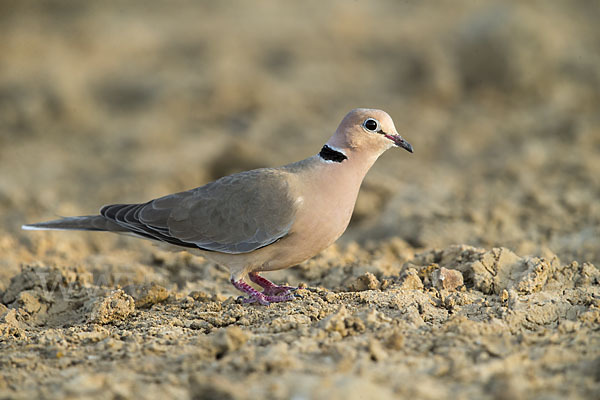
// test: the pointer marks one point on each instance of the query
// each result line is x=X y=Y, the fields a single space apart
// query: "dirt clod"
x=116 y=305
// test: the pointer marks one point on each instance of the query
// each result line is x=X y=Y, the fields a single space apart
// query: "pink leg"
x=256 y=296
x=269 y=287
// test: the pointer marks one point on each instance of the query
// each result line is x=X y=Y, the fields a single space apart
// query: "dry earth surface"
x=470 y=269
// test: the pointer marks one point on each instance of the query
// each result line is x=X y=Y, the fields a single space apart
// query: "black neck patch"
x=329 y=154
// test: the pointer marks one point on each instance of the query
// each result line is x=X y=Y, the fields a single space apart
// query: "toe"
x=279 y=298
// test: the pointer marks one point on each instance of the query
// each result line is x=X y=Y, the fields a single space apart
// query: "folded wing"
x=235 y=214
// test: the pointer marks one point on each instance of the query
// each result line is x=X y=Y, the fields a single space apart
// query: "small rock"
x=10 y=323
x=331 y=297
x=448 y=279
x=343 y=323
x=147 y=294
x=590 y=275
x=200 y=296
x=28 y=301
x=410 y=280
x=199 y=325
x=367 y=281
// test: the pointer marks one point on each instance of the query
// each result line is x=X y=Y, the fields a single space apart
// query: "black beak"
x=400 y=142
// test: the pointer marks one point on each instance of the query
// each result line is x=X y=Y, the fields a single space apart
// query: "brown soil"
x=469 y=269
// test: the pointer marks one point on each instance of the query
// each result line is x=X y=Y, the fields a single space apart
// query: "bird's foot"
x=254 y=296
x=269 y=288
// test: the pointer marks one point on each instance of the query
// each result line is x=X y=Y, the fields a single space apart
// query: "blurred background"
x=106 y=102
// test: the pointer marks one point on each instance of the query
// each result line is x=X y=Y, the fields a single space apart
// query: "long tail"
x=83 y=223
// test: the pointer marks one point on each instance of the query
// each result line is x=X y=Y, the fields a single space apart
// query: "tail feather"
x=83 y=223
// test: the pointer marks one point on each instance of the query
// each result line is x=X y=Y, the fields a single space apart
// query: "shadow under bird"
x=264 y=219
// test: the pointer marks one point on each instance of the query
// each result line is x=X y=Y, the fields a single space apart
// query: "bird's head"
x=367 y=131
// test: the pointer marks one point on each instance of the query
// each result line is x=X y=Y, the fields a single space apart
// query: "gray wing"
x=235 y=214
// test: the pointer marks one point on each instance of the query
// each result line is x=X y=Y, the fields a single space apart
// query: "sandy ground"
x=470 y=269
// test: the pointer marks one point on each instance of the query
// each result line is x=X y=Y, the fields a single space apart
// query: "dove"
x=260 y=220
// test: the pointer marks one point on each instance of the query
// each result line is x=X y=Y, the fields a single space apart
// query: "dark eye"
x=371 y=125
